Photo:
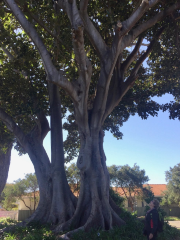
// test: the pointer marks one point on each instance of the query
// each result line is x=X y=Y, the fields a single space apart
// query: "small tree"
x=130 y=180
x=172 y=195
x=21 y=188
x=8 y=200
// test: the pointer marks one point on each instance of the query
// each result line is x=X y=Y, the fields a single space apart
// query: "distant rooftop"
x=157 y=189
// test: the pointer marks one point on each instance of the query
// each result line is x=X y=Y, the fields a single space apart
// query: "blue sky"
x=153 y=144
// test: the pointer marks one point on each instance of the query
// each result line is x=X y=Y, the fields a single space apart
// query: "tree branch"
x=28 y=27
x=12 y=126
x=133 y=76
x=57 y=77
x=123 y=28
x=125 y=86
x=44 y=125
x=76 y=19
x=42 y=24
x=144 y=26
x=21 y=198
x=125 y=65
x=93 y=34
x=83 y=63
x=83 y=5
x=5 y=159
x=84 y=79
x=137 y=14
x=100 y=103
x=10 y=56
x=70 y=7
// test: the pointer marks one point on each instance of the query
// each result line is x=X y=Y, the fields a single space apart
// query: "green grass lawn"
x=171 y=218
x=131 y=231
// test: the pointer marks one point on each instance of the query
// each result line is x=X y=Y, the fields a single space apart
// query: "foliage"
x=73 y=177
x=89 y=55
x=173 y=186
x=8 y=200
x=34 y=231
x=171 y=218
x=20 y=188
x=34 y=86
x=132 y=230
x=116 y=197
x=148 y=194
x=130 y=180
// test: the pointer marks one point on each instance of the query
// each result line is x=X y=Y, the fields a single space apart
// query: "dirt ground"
x=174 y=223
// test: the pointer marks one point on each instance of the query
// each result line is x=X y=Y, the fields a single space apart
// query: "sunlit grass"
x=171 y=218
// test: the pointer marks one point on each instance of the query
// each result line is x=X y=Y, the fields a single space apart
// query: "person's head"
x=154 y=204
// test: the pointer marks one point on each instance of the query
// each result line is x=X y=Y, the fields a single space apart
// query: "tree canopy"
x=20 y=189
x=172 y=195
x=83 y=60
x=130 y=180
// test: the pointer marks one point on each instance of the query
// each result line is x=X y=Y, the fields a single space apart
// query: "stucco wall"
x=28 y=201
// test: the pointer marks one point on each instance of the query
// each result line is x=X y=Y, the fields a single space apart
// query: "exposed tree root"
x=100 y=217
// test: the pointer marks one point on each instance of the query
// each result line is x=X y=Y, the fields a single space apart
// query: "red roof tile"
x=157 y=189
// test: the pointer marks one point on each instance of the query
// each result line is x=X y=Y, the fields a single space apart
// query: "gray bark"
x=5 y=159
x=57 y=203
x=94 y=208
x=63 y=201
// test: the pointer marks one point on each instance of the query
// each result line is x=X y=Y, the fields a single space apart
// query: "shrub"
x=116 y=198
x=132 y=230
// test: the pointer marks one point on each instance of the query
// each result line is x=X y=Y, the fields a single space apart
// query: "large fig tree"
x=83 y=48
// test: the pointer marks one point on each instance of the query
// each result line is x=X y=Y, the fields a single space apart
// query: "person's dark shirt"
x=151 y=221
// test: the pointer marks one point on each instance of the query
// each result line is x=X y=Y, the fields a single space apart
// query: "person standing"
x=151 y=220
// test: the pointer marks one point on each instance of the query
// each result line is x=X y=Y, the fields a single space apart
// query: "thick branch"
x=131 y=79
x=5 y=159
x=83 y=5
x=144 y=26
x=83 y=63
x=100 y=102
x=28 y=27
x=57 y=154
x=85 y=72
x=70 y=7
x=133 y=75
x=12 y=126
x=123 y=28
x=43 y=124
x=93 y=34
x=132 y=56
x=57 y=77
x=133 y=19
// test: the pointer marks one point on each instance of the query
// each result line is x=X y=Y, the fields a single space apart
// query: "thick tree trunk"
x=42 y=167
x=63 y=201
x=57 y=203
x=54 y=206
x=5 y=159
x=94 y=208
